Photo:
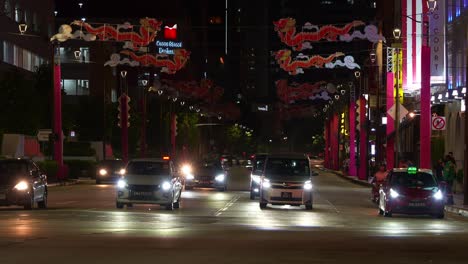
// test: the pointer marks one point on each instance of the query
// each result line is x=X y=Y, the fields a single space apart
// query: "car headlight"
x=438 y=195
x=121 y=184
x=189 y=177
x=166 y=186
x=256 y=178
x=220 y=178
x=394 y=194
x=266 y=183
x=308 y=185
x=22 y=186
x=186 y=169
x=122 y=171
x=102 y=172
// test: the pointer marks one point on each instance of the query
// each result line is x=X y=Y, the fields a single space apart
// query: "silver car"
x=286 y=180
x=149 y=181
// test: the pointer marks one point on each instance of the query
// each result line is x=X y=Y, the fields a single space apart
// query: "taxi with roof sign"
x=411 y=191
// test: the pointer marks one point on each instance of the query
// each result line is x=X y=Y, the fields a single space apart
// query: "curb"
x=456 y=210
x=349 y=178
x=66 y=183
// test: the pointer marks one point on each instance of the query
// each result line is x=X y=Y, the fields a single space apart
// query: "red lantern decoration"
x=170 y=32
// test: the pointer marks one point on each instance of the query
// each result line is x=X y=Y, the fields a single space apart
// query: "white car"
x=286 y=180
x=149 y=181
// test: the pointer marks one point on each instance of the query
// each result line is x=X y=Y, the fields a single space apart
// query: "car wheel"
x=222 y=189
x=252 y=195
x=43 y=204
x=30 y=204
x=129 y=205
x=309 y=206
x=98 y=181
x=169 y=206
x=263 y=205
x=188 y=188
x=439 y=216
x=119 y=205
x=388 y=214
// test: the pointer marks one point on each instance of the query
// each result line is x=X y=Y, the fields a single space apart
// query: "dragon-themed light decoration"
x=148 y=30
x=204 y=90
x=170 y=64
x=285 y=61
x=286 y=29
x=290 y=94
x=348 y=62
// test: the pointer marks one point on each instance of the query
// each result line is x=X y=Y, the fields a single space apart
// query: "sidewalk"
x=352 y=179
x=458 y=208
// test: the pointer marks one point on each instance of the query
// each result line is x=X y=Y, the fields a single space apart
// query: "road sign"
x=43 y=134
x=438 y=123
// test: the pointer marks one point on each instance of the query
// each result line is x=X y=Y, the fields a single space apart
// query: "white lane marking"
x=227 y=205
x=330 y=203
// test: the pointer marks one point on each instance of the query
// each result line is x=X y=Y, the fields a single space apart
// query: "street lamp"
x=431 y=5
x=22 y=28
x=77 y=54
x=397 y=33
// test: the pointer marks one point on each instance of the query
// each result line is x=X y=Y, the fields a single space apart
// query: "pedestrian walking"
x=449 y=177
x=439 y=170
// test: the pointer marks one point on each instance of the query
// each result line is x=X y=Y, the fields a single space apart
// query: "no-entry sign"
x=438 y=123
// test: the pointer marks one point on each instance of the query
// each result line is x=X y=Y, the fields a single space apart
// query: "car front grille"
x=286 y=185
x=143 y=188
x=286 y=199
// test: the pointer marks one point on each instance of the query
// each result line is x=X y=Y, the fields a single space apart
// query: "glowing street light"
x=397 y=33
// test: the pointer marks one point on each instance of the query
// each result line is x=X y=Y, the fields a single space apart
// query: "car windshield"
x=10 y=170
x=287 y=167
x=148 y=168
x=209 y=166
x=418 y=180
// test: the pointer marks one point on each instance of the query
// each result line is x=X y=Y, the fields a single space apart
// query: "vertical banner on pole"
x=336 y=147
x=425 y=126
x=390 y=153
x=58 y=134
x=143 y=127
x=352 y=138
x=363 y=162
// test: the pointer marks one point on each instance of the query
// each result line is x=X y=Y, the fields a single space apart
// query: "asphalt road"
x=82 y=225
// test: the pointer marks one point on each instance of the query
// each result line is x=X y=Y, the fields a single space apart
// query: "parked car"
x=109 y=170
x=411 y=191
x=22 y=183
x=149 y=181
x=286 y=180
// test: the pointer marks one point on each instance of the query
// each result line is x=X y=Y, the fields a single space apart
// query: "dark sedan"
x=22 y=183
x=206 y=175
x=109 y=170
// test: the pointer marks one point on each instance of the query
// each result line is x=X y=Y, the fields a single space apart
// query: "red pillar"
x=390 y=149
x=124 y=99
x=58 y=140
x=425 y=126
x=363 y=162
x=352 y=139
x=327 y=144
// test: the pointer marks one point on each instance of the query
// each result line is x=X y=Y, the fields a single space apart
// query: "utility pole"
x=397 y=109
x=465 y=165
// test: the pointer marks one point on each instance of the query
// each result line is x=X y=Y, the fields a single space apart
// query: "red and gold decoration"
x=297 y=66
x=286 y=29
x=170 y=64
x=290 y=94
x=148 y=30
x=205 y=90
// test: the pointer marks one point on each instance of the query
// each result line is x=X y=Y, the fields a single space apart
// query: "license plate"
x=2 y=196
x=417 y=204
x=142 y=193
x=287 y=195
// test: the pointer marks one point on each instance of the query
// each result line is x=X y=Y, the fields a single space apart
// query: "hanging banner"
x=398 y=72
x=437 y=43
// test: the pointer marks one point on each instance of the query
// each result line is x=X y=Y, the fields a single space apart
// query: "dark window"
x=148 y=168
x=10 y=171
x=287 y=167
x=418 y=180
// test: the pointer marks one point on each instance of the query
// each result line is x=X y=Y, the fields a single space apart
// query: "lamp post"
x=57 y=127
x=397 y=36
x=143 y=123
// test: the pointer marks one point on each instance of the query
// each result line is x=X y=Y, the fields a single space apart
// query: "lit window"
x=75 y=87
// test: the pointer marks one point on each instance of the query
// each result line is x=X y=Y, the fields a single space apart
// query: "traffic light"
x=358 y=113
